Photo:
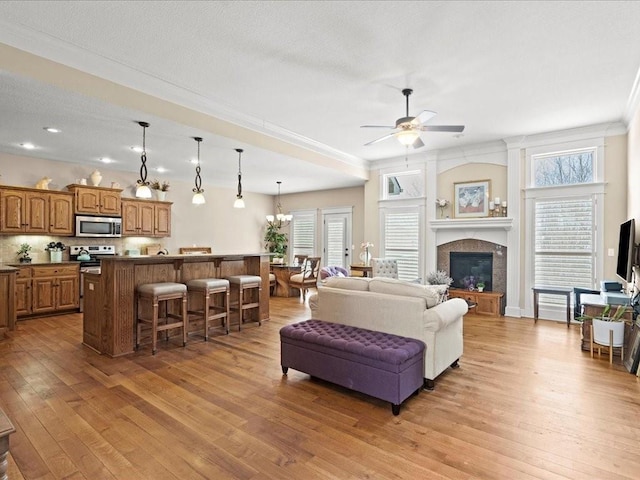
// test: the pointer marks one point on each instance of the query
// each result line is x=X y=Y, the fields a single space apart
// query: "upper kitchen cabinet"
x=35 y=211
x=97 y=200
x=146 y=218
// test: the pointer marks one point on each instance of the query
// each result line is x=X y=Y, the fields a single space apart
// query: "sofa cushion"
x=349 y=283
x=431 y=293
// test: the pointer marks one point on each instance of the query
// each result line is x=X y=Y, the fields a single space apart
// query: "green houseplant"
x=276 y=242
x=480 y=286
x=24 y=250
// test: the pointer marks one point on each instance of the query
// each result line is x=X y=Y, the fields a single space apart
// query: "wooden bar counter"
x=109 y=298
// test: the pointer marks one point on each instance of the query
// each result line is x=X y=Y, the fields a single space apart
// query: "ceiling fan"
x=408 y=128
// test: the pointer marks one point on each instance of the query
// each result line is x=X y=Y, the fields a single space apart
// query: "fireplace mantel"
x=502 y=223
x=489 y=229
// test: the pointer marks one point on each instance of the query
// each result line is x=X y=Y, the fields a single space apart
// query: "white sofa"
x=397 y=307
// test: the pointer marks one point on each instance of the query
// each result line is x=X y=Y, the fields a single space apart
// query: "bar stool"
x=245 y=288
x=207 y=289
x=154 y=293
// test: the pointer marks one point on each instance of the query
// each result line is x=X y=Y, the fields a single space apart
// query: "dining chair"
x=308 y=276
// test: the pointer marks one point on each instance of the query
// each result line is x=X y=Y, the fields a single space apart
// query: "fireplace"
x=469 y=268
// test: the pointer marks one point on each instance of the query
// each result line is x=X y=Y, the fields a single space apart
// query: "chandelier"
x=279 y=219
x=198 y=197
x=142 y=189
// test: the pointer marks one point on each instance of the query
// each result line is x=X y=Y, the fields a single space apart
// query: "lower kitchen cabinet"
x=47 y=289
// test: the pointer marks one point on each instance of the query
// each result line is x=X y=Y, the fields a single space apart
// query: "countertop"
x=15 y=265
x=199 y=256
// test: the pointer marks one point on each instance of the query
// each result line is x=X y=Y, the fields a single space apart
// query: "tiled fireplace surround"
x=497 y=236
x=499 y=252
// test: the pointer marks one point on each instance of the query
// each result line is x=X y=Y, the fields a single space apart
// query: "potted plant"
x=25 y=248
x=606 y=329
x=161 y=189
x=480 y=286
x=275 y=242
x=55 y=250
x=440 y=277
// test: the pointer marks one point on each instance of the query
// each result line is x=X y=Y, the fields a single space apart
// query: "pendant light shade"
x=142 y=188
x=239 y=203
x=198 y=197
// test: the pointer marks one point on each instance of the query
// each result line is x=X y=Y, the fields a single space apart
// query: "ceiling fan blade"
x=441 y=128
x=376 y=126
x=423 y=117
x=380 y=139
x=418 y=143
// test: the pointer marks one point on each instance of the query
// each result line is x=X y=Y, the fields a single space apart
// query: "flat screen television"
x=626 y=250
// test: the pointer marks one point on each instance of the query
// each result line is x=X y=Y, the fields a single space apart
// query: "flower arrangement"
x=442 y=203
x=55 y=247
x=163 y=187
x=366 y=245
x=367 y=257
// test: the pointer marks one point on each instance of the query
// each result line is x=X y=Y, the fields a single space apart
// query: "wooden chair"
x=308 y=276
x=299 y=259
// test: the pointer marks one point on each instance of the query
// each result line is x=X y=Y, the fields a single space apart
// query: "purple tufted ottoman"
x=385 y=366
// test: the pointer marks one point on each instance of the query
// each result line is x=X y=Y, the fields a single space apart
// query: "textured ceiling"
x=301 y=77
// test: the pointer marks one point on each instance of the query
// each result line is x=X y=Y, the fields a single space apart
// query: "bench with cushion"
x=385 y=366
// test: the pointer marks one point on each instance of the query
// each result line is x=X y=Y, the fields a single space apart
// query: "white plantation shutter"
x=335 y=242
x=303 y=234
x=402 y=241
x=564 y=243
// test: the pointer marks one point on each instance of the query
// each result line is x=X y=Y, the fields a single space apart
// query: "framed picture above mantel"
x=471 y=199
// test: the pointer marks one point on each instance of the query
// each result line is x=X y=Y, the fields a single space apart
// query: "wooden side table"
x=364 y=269
x=563 y=291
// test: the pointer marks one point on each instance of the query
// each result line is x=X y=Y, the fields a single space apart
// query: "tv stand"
x=490 y=304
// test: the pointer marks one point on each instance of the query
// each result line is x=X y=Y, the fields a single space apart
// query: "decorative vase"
x=56 y=256
x=161 y=195
x=96 y=178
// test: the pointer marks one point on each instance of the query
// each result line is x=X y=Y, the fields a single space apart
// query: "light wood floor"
x=525 y=403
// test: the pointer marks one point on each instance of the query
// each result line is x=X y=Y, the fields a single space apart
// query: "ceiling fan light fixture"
x=407 y=137
x=142 y=188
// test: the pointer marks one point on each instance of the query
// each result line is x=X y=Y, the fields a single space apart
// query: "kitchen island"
x=109 y=297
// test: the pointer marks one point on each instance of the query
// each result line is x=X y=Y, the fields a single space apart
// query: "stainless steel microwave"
x=90 y=226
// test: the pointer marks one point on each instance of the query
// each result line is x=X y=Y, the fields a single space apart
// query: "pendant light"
x=279 y=219
x=142 y=189
x=198 y=197
x=239 y=203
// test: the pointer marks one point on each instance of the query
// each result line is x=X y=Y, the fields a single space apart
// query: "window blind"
x=401 y=241
x=304 y=234
x=564 y=243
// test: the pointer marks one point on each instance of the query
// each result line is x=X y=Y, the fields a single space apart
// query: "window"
x=564 y=242
x=303 y=233
x=402 y=185
x=401 y=236
x=564 y=211
x=567 y=168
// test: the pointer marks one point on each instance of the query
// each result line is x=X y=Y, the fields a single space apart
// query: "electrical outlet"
x=611 y=252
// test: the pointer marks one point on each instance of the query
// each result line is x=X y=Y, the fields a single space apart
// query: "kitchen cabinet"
x=60 y=214
x=8 y=305
x=23 y=292
x=486 y=303
x=96 y=200
x=47 y=289
x=146 y=218
x=35 y=211
x=24 y=211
